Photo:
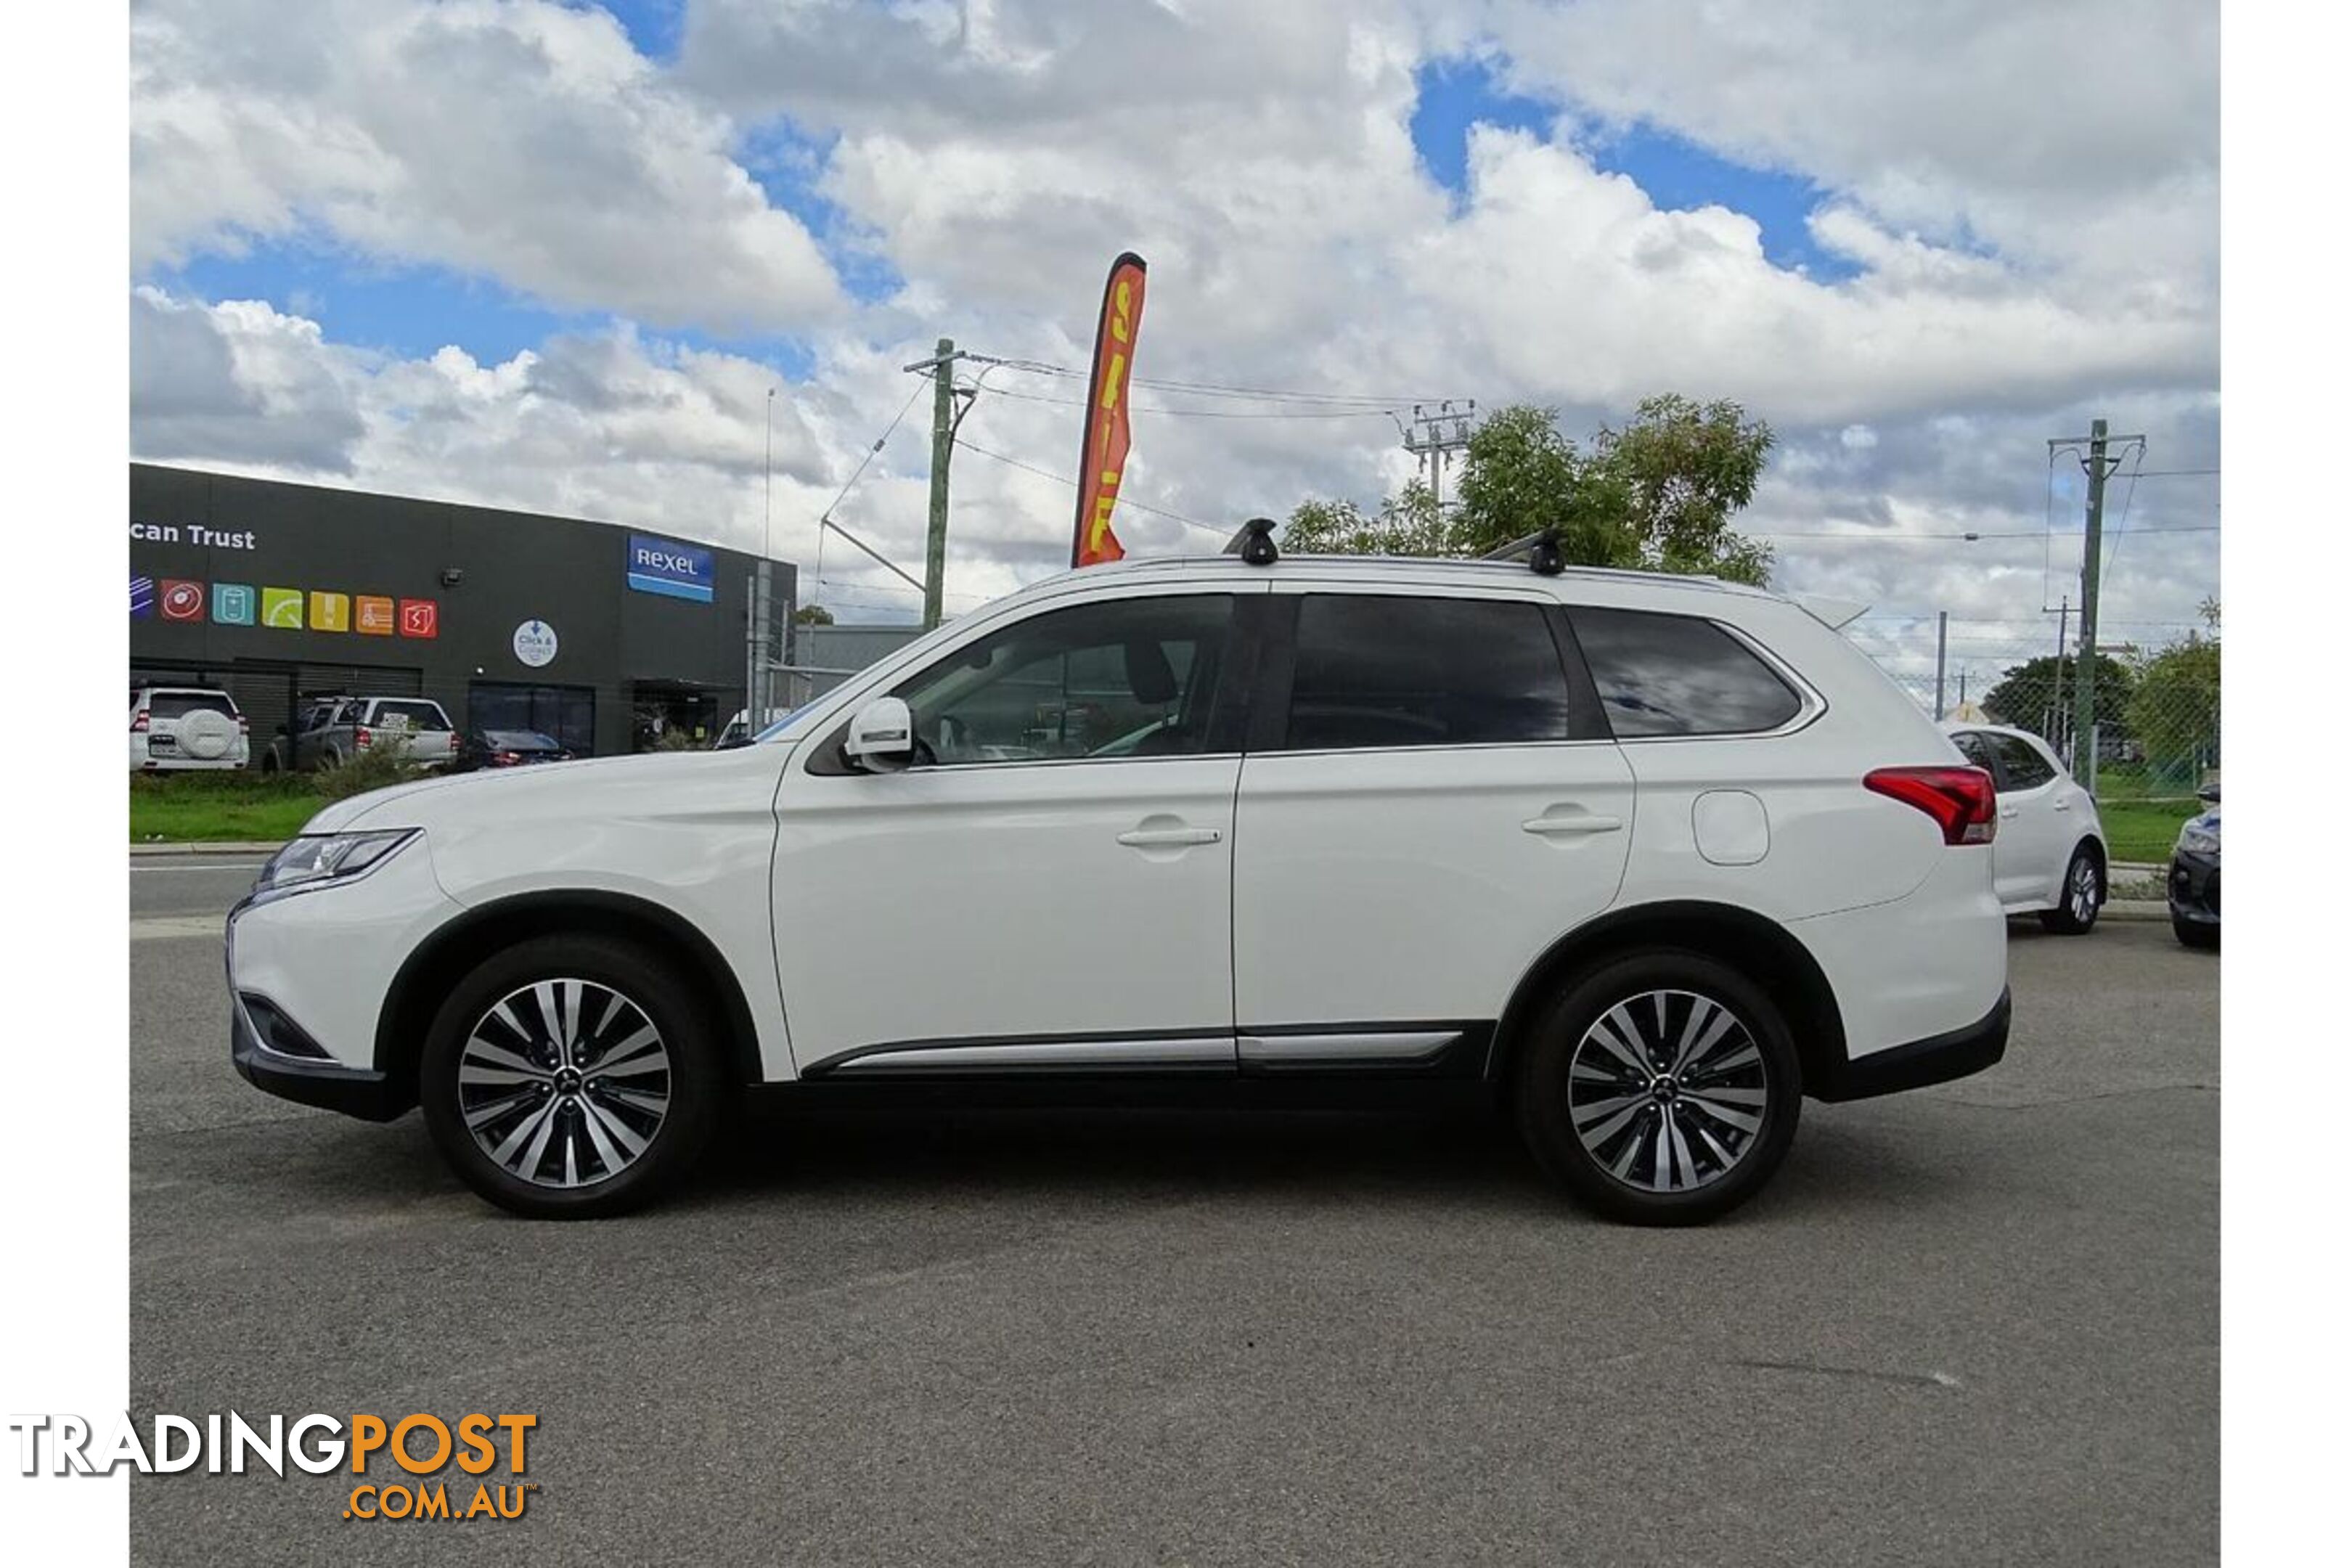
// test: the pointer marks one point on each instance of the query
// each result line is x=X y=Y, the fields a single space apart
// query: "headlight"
x=2196 y=840
x=319 y=859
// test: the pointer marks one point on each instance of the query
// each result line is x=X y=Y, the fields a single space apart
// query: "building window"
x=566 y=712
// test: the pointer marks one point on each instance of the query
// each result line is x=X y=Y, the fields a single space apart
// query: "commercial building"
x=603 y=635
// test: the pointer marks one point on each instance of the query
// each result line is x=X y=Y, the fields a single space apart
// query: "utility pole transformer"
x=1435 y=434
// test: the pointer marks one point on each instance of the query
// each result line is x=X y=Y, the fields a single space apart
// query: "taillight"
x=1960 y=799
x=138 y=722
x=362 y=738
x=507 y=759
x=453 y=743
x=244 y=725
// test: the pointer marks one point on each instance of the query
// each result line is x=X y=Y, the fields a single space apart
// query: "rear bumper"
x=1936 y=1060
x=354 y=1092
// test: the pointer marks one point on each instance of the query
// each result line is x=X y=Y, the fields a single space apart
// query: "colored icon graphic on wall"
x=282 y=608
x=420 y=618
x=142 y=596
x=182 y=600
x=329 y=612
x=372 y=615
x=233 y=604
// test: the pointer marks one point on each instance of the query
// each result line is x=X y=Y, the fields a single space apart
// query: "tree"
x=1658 y=493
x=812 y=615
x=2029 y=695
x=2177 y=710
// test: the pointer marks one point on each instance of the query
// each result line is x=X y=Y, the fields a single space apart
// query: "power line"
x=1065 y=479
x=1931 y=538
x=1210 y=388
x=1205 y=413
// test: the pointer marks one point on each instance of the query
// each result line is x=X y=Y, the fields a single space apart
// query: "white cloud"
x=522 y=141
x=2030 y=247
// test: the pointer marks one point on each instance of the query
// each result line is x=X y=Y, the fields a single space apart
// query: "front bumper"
x=1938 y=1059
x=310 y=1081
x=2192 y=887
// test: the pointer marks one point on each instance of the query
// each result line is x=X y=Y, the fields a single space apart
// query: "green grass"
x=201 y=808
x=2143 y=829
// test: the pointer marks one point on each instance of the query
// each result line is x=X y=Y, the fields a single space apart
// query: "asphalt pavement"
x=1974 y=1324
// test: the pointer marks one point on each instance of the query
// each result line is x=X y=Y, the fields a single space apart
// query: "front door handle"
x=1564 y=826
x=1167 y=838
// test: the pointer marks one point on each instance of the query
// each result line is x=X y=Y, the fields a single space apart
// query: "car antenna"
x=1254 y=542
x=1540 y=549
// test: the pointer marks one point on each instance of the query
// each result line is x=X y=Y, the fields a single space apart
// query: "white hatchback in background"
x=2050 y=858
x=1647 y=861
x=180 y=729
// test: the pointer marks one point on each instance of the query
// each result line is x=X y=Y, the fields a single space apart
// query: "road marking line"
x=159 y=926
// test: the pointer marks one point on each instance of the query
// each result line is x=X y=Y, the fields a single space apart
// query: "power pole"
x=1943 y=618
x=2096 y=466
x=935 y=545
x=1434 y=435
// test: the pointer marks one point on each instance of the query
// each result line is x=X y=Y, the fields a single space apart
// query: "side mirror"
x=2210 y=795
x=882 y=737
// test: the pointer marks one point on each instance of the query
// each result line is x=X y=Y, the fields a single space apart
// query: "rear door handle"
x=1167 y=838
x=1566 y=826
x=2065 y=805
x=2009 y=811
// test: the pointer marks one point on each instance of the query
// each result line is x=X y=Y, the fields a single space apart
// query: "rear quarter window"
x=1662 y=675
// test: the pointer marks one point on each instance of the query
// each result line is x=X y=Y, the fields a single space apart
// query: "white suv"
x=178 y=729
x=1648 y=858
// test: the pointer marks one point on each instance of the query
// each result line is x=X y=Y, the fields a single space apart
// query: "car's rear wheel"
x=568 y=1078
x=2080 y=896
x=1662 y=1087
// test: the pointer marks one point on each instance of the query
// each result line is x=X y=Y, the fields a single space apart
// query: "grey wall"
x=515 y=566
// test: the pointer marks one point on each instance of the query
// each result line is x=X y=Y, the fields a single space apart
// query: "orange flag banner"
x=1105 y=452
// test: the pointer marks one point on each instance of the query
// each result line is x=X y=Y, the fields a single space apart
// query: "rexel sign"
x=666 y=566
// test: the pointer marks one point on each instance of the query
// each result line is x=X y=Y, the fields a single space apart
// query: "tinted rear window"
x=1378 y=672
x=1678 y=675
x=2021 y=766
x=415 y=715
x=179 y=704
x=520 y=741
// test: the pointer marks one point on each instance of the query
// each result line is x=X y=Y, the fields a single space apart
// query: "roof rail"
x=1540 y=550
x=1254 y=542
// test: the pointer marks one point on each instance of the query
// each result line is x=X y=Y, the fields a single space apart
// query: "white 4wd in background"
x=186 y=729
x=1648 y=859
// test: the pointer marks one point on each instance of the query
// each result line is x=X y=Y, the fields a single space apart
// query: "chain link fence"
x=2156 y=711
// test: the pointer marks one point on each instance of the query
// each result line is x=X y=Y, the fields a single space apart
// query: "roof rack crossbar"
x=1254 y=542
x=1540 y=549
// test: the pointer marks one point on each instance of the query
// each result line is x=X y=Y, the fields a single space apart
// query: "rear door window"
x=1662 y=675
x=180 y=704
x=1972 y=746
x=2022 y=766
x=1376 y=672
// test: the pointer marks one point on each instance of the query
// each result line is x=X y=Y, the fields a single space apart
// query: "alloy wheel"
x=2082 y=891
x=1667 y=1092
x=564 y=1083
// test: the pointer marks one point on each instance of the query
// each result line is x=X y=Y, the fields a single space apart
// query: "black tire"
x=1550 y=1124
x=2071 y=917
x=2192 y=933
x=686 y=1030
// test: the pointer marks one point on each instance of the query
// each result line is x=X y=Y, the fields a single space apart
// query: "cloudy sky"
x=555 y=257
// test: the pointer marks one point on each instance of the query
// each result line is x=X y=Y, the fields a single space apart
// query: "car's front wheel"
x=2080 y=896
x=570 y=1077
x=1662 y=1087
x=2196 y=934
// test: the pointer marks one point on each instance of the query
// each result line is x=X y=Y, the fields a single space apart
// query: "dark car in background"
x=2192 y=883
x=508 y=748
